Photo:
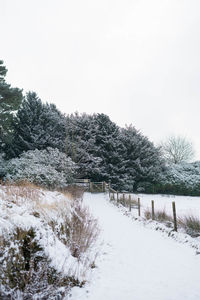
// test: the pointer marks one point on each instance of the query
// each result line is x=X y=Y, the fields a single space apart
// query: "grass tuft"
x=190 y=222
x=159 y=215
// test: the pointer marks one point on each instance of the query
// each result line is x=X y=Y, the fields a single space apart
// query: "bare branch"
x=177 y=149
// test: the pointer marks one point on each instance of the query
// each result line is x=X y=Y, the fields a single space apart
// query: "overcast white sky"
x=136 y=60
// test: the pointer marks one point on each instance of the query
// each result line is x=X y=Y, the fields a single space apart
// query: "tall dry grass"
x=159 y=215
x=78 y=230
x=190 y=222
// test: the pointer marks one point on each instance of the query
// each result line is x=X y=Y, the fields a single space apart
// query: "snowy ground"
x=184 y=204
x=138 y=263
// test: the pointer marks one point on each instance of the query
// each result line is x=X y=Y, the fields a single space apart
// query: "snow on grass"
x=138 y=262
x=45 y=220
x=17 y=210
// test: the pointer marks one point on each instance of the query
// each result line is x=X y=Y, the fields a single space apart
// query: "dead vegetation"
x=84 y=231
x=191 y=224
x=24 y=266
x=126 y=200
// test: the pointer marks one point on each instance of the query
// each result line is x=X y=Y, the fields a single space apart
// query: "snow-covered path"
x=139 y=263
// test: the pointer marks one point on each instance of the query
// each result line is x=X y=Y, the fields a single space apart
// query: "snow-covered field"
x=138 y=263
x=185 y=205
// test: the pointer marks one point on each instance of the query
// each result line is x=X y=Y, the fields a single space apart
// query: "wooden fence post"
x=129 y=202
x=113 y=196
x=117 y=197
x=139 y=207
x=174 y=215
x=124 y=199
x=90 y=187
x=104 y=186
x=152 y=209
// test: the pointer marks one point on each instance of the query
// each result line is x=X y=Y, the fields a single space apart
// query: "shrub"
x=179 y=179
x=49 y=168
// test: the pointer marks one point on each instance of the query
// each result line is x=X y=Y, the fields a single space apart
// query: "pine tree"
x=37 y=126
x=107 y=146
x=92 y=142
x=10 y=99
x=80 y=143
x=142 y=161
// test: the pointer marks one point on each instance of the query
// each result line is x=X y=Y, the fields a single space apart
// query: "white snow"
x=185 y=205
x=16 y=210
x=138 y=263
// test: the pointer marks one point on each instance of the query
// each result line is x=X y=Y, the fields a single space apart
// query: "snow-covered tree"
x=103 y=151
x=10 y=99
x=37 y=126
x=80 y=142
x=107 y=146
x=2 y=165
x=49 y=167
x=142 y=162
x=92 y=143
x=181 y=179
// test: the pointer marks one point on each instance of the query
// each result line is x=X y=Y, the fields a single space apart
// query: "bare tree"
x=177 y=149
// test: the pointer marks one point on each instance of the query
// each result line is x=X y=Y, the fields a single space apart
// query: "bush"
x=182 y=179
x=49 y=168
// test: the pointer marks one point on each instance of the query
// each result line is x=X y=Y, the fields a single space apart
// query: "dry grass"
x=81 y=229
x=28 y=192
x=147 y=214
x=19 y=192
x=78 y=230
x=162 y=216
x=75 y=191
x=84 y=231
x=125 y=200
x=190 y=222
x=159 y=215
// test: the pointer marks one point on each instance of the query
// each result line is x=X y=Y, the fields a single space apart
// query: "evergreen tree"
x=37 y=126
x=142 y=161
x=10 y=99
x=92 y=142
x=80 y=143
x=107 y=148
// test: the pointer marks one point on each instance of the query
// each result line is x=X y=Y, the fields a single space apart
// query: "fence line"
x=130 y=203
x=120 y=198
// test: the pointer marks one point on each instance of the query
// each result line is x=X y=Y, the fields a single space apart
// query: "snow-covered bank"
x=42 y=251
x=138 y=262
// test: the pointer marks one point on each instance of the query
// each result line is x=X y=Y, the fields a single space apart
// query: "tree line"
x=92 y=146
